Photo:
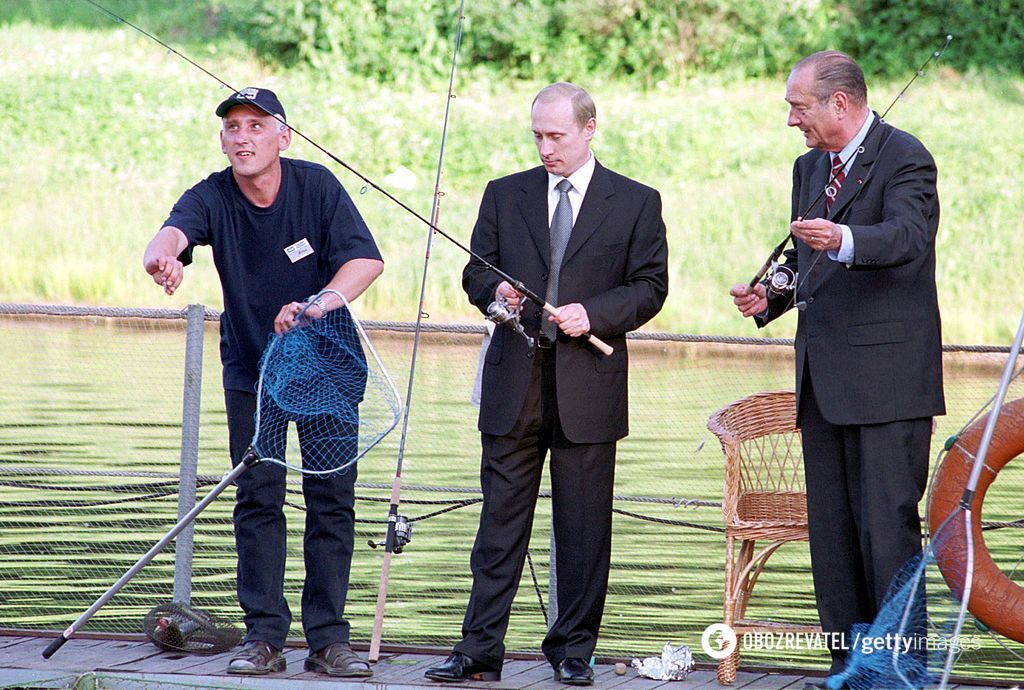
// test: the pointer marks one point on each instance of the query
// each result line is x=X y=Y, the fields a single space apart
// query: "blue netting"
x=326 y=378
x=913 y=634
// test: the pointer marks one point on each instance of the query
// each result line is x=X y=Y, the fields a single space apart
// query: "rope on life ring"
x=996 y=600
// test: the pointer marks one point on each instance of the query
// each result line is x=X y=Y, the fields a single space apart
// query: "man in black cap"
x=280 y=229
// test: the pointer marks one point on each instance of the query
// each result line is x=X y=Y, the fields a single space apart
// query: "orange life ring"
x=996 y=600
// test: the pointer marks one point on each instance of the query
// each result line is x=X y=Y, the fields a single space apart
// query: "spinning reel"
x=403 y=535
x=500 y=311
x=782 y=280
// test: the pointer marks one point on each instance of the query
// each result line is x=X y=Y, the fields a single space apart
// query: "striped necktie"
x=835 y=182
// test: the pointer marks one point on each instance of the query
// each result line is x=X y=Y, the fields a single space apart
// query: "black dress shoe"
x=574 y=671
x=458 y=667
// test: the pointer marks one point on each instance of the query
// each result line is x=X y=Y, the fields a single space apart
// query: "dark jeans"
x=260 y=539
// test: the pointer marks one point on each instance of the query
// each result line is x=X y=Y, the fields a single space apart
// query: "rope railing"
x=18 y=309
x=210 y=479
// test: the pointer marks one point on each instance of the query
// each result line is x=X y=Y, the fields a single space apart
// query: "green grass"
x=105 y=130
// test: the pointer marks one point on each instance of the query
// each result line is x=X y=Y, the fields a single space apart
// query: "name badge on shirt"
x=299 y=250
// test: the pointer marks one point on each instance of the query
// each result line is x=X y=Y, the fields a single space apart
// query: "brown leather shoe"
x=257 y=658
x=337 y=659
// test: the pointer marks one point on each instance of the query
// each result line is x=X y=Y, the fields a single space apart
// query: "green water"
x=86 y=394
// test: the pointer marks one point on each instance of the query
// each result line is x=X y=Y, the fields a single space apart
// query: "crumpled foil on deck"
x=675 y=663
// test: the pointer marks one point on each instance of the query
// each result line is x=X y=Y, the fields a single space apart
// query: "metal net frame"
x=325 y=381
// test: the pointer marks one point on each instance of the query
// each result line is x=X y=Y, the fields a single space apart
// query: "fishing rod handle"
x=55 y=645
x=553 y=310
x=591 y=338
x=760 y=273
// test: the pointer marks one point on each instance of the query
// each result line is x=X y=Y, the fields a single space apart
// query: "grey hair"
x=835 y=71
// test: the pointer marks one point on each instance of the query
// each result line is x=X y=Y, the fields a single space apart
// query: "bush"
x=649 y=40
x=643 y=41
x=389 y=40
x=646 y=40
x=894 y=36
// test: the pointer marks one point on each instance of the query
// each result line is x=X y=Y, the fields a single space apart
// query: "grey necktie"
x=561 y=228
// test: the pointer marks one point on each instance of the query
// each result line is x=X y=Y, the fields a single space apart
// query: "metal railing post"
x=187 y=478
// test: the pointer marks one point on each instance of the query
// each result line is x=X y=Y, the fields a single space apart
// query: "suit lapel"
x=819 y=177
x=861 y=169
x=596 y=205
x=533 y=205
x=815 y=269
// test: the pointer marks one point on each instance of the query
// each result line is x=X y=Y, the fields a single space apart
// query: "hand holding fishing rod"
x=507 y=309
x=571 y=318
x=829 y=187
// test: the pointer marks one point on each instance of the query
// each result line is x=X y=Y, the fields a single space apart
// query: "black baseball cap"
x=265 y=99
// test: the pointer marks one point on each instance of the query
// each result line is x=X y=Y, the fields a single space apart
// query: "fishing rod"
x=781 y=246
x=517 y=284
x=399 y=529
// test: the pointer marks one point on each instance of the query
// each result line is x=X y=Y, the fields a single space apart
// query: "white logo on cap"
x=249 y=93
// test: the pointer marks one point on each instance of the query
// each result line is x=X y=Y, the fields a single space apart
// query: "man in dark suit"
x=868 y=343
x=564 y=396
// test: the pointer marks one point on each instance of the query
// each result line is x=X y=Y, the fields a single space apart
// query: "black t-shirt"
x=268 y=257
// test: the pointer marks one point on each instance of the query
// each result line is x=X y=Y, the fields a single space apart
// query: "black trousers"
x=260 y=539
x=582 y=479
x=864 y=484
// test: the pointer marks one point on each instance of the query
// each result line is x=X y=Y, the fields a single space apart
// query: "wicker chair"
x=764 y=500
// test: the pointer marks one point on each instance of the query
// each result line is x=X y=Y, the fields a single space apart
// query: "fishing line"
x=390 y=541
x=777 y=251
x=517 y=284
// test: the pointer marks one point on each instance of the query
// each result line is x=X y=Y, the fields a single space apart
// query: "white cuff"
x=845 y=253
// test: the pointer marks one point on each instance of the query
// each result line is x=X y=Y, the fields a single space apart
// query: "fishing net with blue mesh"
x=923 y=627
x=907 y=644
x=326 y=378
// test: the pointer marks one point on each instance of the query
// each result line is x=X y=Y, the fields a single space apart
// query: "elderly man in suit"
x=596 y=241
x=868 y=342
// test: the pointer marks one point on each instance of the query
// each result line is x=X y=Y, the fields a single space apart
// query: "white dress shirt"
x=579 y=180
x=845 y=253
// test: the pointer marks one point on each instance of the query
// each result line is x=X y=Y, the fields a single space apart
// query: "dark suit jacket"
x=615 y=266
x=870 y=332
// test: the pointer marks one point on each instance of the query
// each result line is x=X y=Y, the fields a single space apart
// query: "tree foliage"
x=891 y=36
x=643 y=40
